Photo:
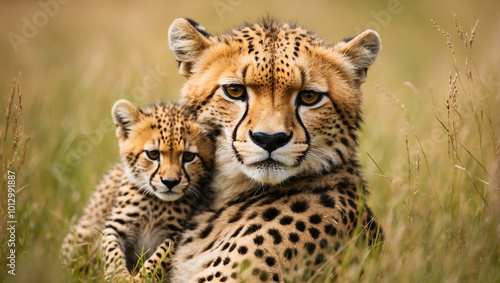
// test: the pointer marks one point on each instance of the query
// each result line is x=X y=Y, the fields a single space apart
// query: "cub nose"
x=170 y=183
x=270 y=142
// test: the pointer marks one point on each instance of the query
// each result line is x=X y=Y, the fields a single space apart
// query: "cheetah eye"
x=309 y=98
x=153 y=154
x=188 y=156
x=237 y=92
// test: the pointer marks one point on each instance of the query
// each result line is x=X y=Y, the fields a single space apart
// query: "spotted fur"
x=284 y=107
x=166 y=161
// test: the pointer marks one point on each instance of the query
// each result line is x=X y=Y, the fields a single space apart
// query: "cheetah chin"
x=268 y=171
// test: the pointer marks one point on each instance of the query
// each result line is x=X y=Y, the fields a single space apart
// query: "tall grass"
x=443 y=219
x=430 y=152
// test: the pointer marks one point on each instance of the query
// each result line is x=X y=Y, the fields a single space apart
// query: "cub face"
x=164 y=150
x=283 y=102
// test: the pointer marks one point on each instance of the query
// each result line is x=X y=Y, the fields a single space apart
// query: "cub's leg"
x=115 y=267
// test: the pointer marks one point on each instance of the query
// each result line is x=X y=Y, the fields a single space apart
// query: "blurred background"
x=432 y=169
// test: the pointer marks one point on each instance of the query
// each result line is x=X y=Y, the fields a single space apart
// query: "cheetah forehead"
x=273 y=51
x=172 y=124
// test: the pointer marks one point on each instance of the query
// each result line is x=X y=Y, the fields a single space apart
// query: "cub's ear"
x=125 y=115
x=361 y=51
x=188 y=40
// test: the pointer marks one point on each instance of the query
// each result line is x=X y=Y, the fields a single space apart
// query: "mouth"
x=268 y=171
x=167 y=195
x=269 y=165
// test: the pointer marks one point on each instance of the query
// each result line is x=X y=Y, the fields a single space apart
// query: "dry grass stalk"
x=448 y=38
x=14 y=114
x=7 y=118
x=452 y=108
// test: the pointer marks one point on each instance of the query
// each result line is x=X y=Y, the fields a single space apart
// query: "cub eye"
x=235 y=91
x=153 y=154
x=309 y=98
x=188 y=156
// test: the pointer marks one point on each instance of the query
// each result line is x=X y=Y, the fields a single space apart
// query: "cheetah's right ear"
x=125 y=116
x=188 y=40
x=361 y=51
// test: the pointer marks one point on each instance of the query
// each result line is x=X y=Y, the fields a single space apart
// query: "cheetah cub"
x=166 y=161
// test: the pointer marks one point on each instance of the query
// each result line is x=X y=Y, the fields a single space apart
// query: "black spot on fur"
x=252 y=216
x=235 y=218
x=290 y=253
x=344 y=141
x=330 y=230
x=217 y=261
x=314 y=232
x=276 y=235
x=300 y=226
x=326 y=201
x=293 y=237
x=270 y=261
x=323 y=243
x=232 y=247
x=319 y=259
x=285 y=220
x=310 y=247
x=206 y=232
x=299 y=206
x=252 y=229
x=242 y=250
x=258 y=240
x=315 y=219
x=270 y=213
x=236 y=232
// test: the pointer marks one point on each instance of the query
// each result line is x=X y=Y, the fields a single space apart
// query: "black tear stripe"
x=153 y=175
x=308 y=138
x=186 y=174
x=235 y=131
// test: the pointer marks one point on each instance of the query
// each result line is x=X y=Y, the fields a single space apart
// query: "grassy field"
x=430 y=147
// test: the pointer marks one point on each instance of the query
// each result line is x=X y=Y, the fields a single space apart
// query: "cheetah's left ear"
x=125 y=116
x=361 y=51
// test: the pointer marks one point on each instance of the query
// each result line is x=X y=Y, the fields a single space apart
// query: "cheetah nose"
x=170 y=183
x=270 y=142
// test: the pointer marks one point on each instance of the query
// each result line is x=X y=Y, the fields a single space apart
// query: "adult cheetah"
x=284 y=107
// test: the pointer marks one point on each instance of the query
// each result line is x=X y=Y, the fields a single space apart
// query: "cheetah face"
x=165 y=152
x=270 y=138
x=282 y=102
